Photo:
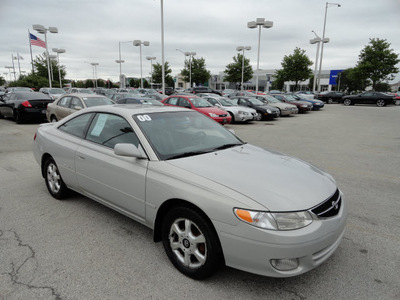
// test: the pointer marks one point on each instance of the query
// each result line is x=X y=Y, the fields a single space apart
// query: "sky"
x=91 y=31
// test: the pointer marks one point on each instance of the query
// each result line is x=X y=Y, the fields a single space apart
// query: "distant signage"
x=333 y=76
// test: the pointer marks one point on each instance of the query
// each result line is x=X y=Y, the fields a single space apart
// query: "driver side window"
x=109 y=130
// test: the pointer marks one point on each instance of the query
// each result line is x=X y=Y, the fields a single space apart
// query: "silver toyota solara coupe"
x=175 y=171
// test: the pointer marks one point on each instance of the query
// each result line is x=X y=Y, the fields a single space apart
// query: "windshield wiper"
x=187 y=154
x=226 y=146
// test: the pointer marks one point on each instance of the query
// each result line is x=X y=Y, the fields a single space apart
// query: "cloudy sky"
x=90 y=31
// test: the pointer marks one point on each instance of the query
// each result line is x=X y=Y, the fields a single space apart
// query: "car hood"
x=213 y=110
x=274 y=180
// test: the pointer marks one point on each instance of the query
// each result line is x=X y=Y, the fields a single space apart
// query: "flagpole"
x=12 y=59
x=19 y=65
x=30 y=46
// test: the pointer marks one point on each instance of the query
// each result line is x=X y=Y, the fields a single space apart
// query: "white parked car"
x=208 y=196
x=238 y=113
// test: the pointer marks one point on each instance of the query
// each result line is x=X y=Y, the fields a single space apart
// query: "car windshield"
x=255 y=101
x=225 y=101
x=97 y=101
x=290 y=98
x=272 y=99
x=199 y=102
x=183 y=134
x=85 y=91
x=56 y=91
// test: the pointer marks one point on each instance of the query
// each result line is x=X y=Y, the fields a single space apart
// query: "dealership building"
x=265 y=79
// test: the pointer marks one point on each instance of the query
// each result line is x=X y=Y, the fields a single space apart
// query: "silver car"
x=238 y=113
x=175 y=171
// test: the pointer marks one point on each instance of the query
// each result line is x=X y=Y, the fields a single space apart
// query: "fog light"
x=285 y=264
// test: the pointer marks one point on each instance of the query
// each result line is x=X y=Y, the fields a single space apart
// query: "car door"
x=113 y=180
x=7 y=105
x=367 y=98
x=62 y=108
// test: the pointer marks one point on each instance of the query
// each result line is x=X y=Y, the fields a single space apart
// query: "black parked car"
x=24 y=106
x=205 y=89
x=263 y=111
x=378 y=98
x=330 y=97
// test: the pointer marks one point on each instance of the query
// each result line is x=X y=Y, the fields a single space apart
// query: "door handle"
x=80 y=156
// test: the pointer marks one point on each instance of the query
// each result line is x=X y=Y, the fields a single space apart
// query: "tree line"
x=375 y=67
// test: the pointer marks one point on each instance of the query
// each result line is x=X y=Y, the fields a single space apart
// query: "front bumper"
x=252 y=249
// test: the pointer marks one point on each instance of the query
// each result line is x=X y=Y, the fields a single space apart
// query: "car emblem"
x=335 y=204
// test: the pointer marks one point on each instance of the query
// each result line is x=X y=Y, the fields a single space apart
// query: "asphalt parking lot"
x=78 y=249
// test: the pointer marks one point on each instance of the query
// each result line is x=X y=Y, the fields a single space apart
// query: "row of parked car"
x=23 y=104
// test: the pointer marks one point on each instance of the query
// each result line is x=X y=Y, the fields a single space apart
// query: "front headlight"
x=245 y=113
x=274 y=220
x=213 y=115
x=269 y=111
x=304 y=105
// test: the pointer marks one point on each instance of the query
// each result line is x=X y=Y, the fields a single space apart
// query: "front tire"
x=259 y=116
x=53 y=119
x=380 y=103
x=191 y=243
x=347 y=102
x=54 y=182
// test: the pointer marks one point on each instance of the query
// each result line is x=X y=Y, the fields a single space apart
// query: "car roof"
x=84 y=95
x=130 y=109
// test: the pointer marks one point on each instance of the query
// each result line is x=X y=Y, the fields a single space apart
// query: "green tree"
x=279 y=81
x=233 y=70
x=2 y=80
x=377 y=62
x=157 y=74
x=40 y=64
x=352 y=79
x=200 y=75
x=296 y=67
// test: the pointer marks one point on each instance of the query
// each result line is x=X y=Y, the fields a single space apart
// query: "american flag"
x=36 y=41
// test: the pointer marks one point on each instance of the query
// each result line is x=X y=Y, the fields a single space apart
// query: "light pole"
x=190 y=54
x=120 y=61
x=323 y=38
x=95 y=72
x=43 y=30
x=317 y=40
x=260 y=22
x=151 y=58
x=242 y=48
x=9 y=71
x=58 y=51
x=140 y=43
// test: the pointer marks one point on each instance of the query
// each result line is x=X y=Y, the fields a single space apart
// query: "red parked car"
x=201 y=105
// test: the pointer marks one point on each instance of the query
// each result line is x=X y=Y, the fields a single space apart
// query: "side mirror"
x=128 y=150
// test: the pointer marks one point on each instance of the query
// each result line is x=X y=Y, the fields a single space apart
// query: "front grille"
x=329 y=208
x=223 y=116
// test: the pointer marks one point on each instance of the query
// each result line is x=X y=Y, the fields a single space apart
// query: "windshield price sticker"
x=144 y=118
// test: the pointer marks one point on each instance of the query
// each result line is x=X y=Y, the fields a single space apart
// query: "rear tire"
x=330 y=100
x=17 y=117
x=54 y=182
x=347 y=102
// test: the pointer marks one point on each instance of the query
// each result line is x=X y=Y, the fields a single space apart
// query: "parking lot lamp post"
x=9 y=71
x=41 y=29
x=260 y=22
x=190 y=54
x=322 y=46
x=95 y=72
x=151 y=58
x=317 y=40
x=58 y=51
x=242 y=48
x=140 y=43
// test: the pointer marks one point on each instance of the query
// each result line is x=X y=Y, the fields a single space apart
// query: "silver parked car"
x=238 y=113
x=175 y=171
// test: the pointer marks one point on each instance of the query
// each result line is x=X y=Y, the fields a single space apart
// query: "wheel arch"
x=170 y=204
x=45 y=157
